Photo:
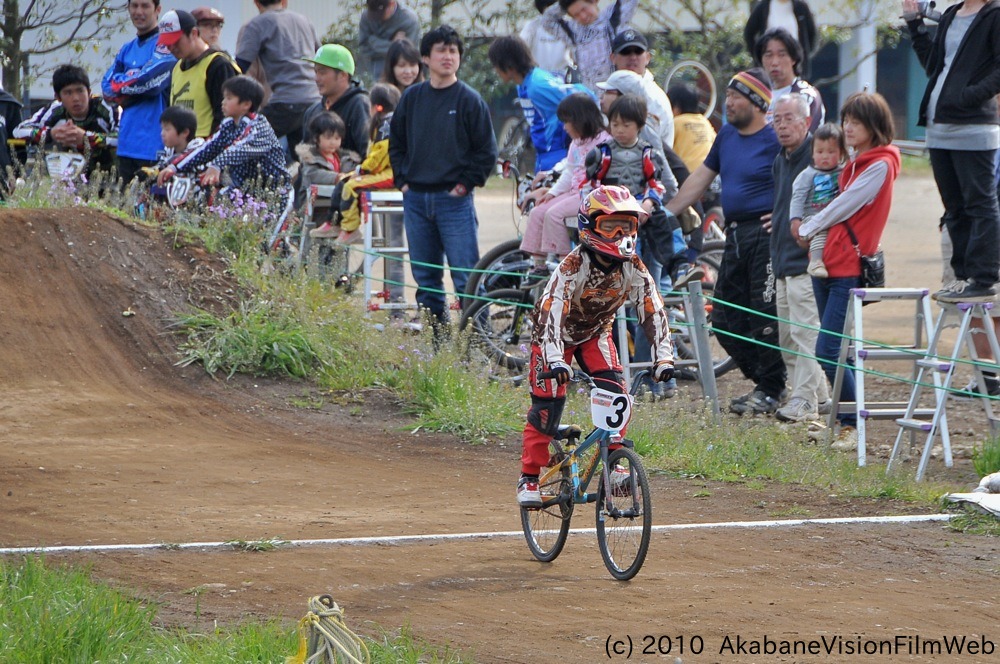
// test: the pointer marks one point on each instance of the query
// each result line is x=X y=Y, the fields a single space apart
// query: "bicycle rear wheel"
x=499 y=327
x=500 y=267
x=700 y=77
x=546 y=529
x=624 y=530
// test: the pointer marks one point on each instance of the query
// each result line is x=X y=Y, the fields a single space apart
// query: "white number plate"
x=178 y=190
x=609 y=410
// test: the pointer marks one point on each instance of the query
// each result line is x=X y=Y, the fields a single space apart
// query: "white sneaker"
x=528 y=494
x=797 y=410
x=825 y=408
x=846 y=440
x=620 y=484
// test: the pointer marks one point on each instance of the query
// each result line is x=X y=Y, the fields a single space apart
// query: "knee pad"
x=545 y=414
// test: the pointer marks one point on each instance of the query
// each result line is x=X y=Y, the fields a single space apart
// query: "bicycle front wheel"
x=624 y=515
x=547 y=528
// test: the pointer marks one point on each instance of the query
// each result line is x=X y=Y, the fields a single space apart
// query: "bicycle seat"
x=567 y=431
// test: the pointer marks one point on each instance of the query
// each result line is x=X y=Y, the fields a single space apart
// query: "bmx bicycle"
x=622 y=500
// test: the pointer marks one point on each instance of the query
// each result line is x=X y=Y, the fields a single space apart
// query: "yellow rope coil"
x=324 y=637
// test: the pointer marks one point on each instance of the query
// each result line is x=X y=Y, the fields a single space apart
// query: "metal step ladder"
x=376 y=207
x=942 y=370
x=856 y=350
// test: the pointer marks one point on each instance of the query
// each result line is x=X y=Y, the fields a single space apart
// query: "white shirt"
x=659 y=105
x=549 y=51
x=781 y=15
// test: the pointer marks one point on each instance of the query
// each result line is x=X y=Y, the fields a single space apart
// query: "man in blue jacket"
x=139 y=81
x=539 y=92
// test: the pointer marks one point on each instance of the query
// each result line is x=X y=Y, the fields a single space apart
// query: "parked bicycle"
x=498 y=322
x=623 y=502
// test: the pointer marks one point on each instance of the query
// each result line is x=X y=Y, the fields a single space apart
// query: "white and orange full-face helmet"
x=609 y=221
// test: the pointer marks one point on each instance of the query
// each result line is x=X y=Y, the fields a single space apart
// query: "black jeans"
x=746 y=280
x=286 y=120
x=965 y=179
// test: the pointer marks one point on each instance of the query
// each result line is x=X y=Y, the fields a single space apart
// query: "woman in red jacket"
x=863 y=204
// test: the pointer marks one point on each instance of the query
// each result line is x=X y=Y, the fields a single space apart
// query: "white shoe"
x=797 y=410
x=620 y=484
x=528 y=494
x=846 y=440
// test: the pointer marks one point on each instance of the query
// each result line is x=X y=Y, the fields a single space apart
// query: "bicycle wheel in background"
x=507 y=260
x=499 y=328
x=700 y=77
x=624 y=539
x=546 y=529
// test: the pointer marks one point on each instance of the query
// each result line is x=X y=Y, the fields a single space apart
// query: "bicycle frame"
x=581 y=481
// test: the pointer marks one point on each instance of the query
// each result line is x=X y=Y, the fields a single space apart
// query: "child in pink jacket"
x=546 y=231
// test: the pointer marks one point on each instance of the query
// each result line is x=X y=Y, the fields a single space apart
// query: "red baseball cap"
x=173 y=24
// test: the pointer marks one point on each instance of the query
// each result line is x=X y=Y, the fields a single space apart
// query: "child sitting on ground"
x=324 y=162
x=574 y=316
x=816 y=186
x=546 y=231
x=246 y=148
x=374 y=173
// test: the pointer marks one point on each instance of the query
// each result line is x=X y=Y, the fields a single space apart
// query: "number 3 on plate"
x=609 y=410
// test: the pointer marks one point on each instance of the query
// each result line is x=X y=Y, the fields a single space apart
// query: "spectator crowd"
x=802 y=198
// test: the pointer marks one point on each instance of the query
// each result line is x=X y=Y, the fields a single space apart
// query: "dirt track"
x=105 y=441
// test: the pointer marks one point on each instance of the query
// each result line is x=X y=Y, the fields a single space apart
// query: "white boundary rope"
x=402 y=539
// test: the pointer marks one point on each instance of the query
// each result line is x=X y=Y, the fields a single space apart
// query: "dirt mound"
x=88 y=298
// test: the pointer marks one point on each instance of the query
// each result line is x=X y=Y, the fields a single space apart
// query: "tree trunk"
x=11 y=45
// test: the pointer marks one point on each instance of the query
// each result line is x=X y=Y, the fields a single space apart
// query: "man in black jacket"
x=793 y=15
x=959 y=110
x=442 y=146
x=342 y=94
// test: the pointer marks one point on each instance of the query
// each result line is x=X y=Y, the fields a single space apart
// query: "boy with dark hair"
x=539 y=92
x=437 y=176
x=75 y=121
x=633 y=163
x=245 y=147
x=180 y=122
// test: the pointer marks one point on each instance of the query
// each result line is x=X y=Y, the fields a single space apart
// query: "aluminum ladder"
x=942 y=369
x=856 y=350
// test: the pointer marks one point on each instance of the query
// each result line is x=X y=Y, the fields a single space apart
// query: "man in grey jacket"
x=794 y=297
x=384 y=22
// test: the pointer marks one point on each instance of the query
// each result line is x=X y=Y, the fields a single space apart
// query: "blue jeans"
x=833 y=296
x=439 y=225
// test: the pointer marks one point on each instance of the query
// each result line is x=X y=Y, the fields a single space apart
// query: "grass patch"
x=59 y=614
x=986 y=459
x=749 y=450
x=974 y=522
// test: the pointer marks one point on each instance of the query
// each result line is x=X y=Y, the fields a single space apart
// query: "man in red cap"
x=210 y=21
x=197 y=78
